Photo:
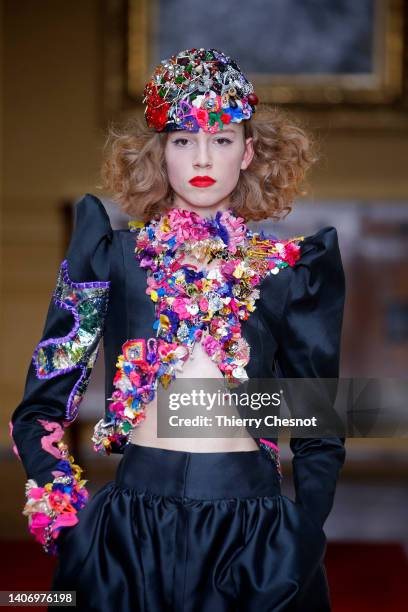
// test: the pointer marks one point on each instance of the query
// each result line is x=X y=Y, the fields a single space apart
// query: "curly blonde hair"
x=134 y=170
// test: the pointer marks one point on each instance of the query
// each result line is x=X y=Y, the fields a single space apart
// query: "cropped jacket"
x=295 y=331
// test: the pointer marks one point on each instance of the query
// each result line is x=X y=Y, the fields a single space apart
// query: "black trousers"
x=194 y=532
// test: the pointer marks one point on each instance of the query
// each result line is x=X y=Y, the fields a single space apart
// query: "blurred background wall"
x=51 y=142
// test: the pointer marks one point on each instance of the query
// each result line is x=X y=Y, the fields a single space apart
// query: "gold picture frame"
x=358 y=100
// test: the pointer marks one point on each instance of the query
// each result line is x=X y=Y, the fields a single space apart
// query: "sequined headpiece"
x=198 y=88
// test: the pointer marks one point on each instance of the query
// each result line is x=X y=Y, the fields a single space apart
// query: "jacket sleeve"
x=309 y=347
x=58 y=376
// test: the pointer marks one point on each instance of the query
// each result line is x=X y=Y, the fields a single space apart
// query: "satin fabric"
x=295 y=328
x=193 y=532
x=123 y=550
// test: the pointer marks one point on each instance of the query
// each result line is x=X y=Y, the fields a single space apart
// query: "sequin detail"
x=192 y=305
x=140 y=365
x=77 y=350
x=207 y=305
x=273 y=452
x=56 y=504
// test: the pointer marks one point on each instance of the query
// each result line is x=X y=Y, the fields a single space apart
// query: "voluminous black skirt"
x=194 y=532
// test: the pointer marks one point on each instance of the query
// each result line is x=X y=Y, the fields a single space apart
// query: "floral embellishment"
x=77 y=350
x=56 y=504
x=192 y=305
x=181 y=225
x=135 y=384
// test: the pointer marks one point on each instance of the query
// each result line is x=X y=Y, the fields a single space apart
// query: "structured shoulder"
x=88 y=253
x=317 y=282
x=323 y=243
x=320 y=260
x=90 y=212
x=311 y=262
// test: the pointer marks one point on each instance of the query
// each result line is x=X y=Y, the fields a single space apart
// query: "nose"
x=202 y=158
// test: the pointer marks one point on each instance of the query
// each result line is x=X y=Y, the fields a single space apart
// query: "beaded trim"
x=77 y=350
x=273 y=453
x=55 y=505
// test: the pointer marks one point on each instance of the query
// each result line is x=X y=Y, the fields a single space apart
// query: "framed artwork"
x=342 y=61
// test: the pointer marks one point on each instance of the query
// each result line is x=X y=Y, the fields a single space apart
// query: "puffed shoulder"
x=89 y=248
x=311 y=322
x=323 y=243
x=319 y=268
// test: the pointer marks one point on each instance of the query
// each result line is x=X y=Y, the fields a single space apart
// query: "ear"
x=248 y=153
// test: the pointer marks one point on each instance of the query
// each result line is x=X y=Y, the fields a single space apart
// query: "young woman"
x=192 y=524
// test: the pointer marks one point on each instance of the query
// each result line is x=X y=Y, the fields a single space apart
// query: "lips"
x=202 y=181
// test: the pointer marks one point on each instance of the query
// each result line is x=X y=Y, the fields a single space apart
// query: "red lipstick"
x=202 y=181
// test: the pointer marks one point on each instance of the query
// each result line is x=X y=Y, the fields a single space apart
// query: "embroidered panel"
x=77 y=350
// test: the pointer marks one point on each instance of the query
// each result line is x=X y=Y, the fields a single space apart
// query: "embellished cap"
x=198 y=88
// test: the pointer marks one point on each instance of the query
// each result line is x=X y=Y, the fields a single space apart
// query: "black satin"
x=194 y=532
x=136 y=548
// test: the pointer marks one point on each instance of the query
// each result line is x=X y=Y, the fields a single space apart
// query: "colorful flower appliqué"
x=192 y=304
x=56 y=504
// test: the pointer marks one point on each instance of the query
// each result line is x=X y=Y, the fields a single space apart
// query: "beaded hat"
x=198 y=88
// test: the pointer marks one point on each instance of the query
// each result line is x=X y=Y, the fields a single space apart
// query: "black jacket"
x=296 y=328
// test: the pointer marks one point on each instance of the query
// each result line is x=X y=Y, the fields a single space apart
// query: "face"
x=219 y=157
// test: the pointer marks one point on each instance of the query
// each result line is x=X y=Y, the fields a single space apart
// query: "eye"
x=179 y=140
x=227 y=140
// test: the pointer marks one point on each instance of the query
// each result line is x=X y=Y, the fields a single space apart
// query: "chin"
x=205 y=197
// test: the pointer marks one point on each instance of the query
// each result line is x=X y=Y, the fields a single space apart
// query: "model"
x=188 y=289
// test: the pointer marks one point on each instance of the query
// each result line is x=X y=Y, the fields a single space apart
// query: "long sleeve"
x=309 y=347
x=58 y=376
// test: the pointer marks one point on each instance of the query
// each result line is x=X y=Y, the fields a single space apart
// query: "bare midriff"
x=198 y=365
